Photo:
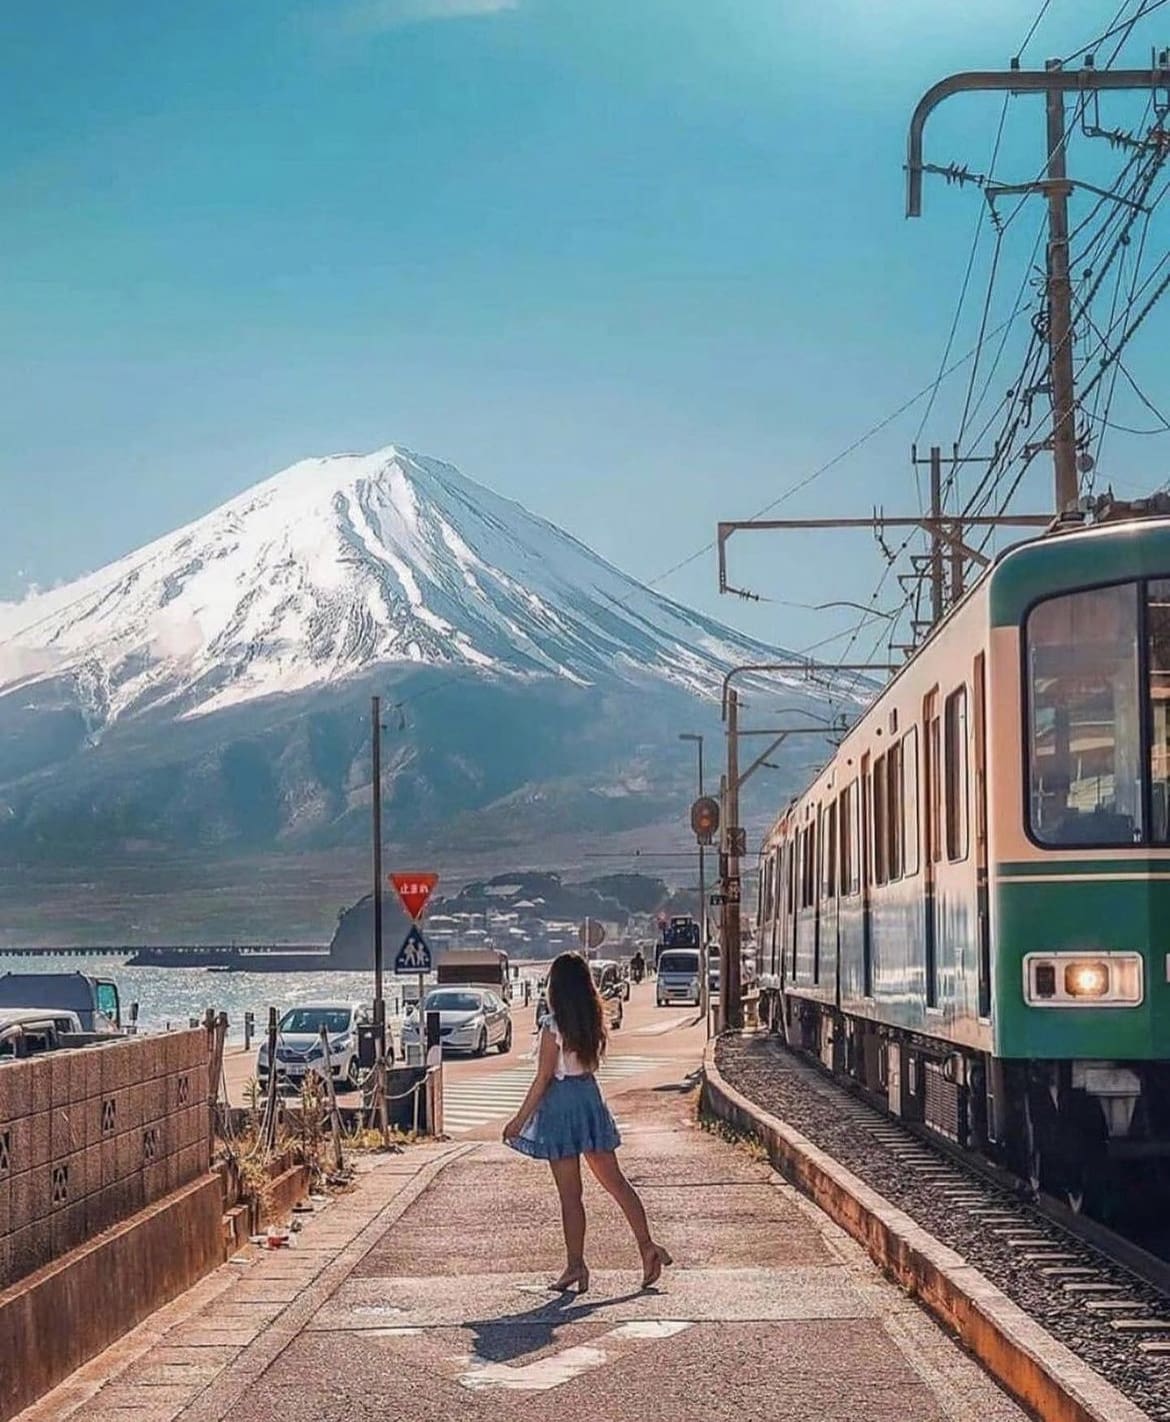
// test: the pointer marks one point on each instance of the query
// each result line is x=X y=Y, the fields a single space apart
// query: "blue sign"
x=415 y=954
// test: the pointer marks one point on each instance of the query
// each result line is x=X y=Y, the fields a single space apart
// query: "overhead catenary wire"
x=1144 y=10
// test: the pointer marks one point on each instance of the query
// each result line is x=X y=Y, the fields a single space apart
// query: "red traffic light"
x=705 y=818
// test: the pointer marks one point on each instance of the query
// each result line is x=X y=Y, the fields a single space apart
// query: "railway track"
x=1101 y=1295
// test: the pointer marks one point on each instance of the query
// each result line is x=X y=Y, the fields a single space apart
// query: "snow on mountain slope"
x=339 y=564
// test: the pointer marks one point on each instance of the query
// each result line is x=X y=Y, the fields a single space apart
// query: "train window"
x=934 y=785
x=848 y=826
x=894 y=801
x=793 y=853
x=955 y=752
x=829 y=851
x=880 y=821
x=812 y=861
x=777 y=882
x=1158 y=627
x=856 y=839
x=910 y=800
x=765 y=904
x=1085 y=717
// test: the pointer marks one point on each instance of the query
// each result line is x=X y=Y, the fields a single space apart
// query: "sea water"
x=171 y=997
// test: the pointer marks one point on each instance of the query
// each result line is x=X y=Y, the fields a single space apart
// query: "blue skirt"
x=572 y=1119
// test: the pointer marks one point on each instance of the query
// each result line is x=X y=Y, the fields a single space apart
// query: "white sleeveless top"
x=568 y=1062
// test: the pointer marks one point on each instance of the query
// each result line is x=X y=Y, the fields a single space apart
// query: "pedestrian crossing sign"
x=415 y=954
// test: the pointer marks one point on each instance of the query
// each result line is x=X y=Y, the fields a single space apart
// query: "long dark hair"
x=575 y=1004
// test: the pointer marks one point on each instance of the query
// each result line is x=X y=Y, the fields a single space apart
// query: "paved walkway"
x=422 y=1296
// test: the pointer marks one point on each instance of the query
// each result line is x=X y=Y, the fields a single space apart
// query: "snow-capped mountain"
x=212 y=689
x=339 y=565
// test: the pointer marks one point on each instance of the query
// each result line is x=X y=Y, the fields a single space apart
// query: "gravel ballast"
x=961 y=1209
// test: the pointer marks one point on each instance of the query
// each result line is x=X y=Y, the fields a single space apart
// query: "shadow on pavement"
x=516 y=1335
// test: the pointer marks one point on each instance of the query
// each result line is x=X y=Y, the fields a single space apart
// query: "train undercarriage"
x=1093 y=1135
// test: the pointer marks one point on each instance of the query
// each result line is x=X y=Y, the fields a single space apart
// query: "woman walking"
x=563 y=1118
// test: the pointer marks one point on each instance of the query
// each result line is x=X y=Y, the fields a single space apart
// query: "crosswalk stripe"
x=470 y=1104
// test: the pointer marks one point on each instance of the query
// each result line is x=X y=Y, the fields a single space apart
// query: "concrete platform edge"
x=1035 y=1368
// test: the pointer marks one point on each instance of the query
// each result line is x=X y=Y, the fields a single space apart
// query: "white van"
x=679 y=976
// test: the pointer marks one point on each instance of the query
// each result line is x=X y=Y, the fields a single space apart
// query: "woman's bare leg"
x=567 y=1174
x=604 y=1164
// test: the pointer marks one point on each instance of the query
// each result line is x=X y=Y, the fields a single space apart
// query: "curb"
x=1035 y=1368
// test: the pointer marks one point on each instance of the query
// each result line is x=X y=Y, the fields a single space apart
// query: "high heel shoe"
x=579 y=1277
x=652 y=1271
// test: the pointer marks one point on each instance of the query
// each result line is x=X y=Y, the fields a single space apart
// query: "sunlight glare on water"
x=171 y=996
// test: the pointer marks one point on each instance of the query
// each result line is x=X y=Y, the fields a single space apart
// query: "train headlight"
x=1086 y=979
x=1083 y=979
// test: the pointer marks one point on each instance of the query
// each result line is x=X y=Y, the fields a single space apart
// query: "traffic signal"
x=705 y=819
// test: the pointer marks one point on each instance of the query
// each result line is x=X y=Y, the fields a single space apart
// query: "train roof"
x=1058 y=560
x=1109 y=552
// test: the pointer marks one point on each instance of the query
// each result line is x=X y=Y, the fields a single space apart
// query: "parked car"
x=470 y=1020
x=298 y=1044
x=29 y=1031
x=679 y=975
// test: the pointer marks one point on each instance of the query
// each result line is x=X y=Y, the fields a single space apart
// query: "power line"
x=965 y=284
x=837 y=458
x=1035 y=26
x=1147 y=8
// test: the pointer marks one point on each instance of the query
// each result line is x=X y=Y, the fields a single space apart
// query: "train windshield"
x=1099 y=716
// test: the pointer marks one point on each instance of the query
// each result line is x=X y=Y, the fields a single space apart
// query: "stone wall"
x=90 y=1136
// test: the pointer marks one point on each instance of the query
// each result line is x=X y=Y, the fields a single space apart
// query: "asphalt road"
x=650 y=1037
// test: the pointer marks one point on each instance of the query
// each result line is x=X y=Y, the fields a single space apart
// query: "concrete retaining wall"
x=89 y=1137
x=60 y=1316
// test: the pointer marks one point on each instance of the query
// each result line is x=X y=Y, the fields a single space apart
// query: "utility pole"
x=947 y=533
x=705 y=984
x=730 y=993
x=379 y=989
x=1054 y=81
x=936 y=545
x=1060 y=329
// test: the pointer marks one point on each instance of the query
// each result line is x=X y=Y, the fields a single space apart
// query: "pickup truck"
x=28 y=1031
x=95 y=1001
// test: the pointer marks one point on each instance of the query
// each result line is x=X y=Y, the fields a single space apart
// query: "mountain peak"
x=346 y=562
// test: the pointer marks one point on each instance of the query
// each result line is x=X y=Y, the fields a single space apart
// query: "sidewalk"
x=421 y=1296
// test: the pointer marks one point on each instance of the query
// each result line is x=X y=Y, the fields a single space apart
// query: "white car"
x=679 y=976
x=299 y=1050
x=470 y=1020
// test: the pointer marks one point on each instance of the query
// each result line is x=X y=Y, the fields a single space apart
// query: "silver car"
x=470 y=1020
x=299 y=1049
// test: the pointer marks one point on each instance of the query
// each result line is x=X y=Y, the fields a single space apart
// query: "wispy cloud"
x=374 y=16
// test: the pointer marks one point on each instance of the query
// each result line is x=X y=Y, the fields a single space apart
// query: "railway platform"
x=422 y=1295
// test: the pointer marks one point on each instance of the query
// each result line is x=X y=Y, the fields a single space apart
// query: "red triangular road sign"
x=414 y=890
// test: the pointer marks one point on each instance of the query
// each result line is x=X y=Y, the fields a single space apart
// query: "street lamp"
x=704 y=978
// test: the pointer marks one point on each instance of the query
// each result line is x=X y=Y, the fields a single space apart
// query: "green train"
x=968 y=911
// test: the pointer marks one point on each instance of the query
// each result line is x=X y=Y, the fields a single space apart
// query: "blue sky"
x=640 y=264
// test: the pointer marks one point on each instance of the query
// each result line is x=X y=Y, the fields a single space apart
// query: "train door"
x=786 y=907
x=933 y=767
x=830 y=938
x=817 y=830
x=864 y=865
x=794 y=863
x=981 y=893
